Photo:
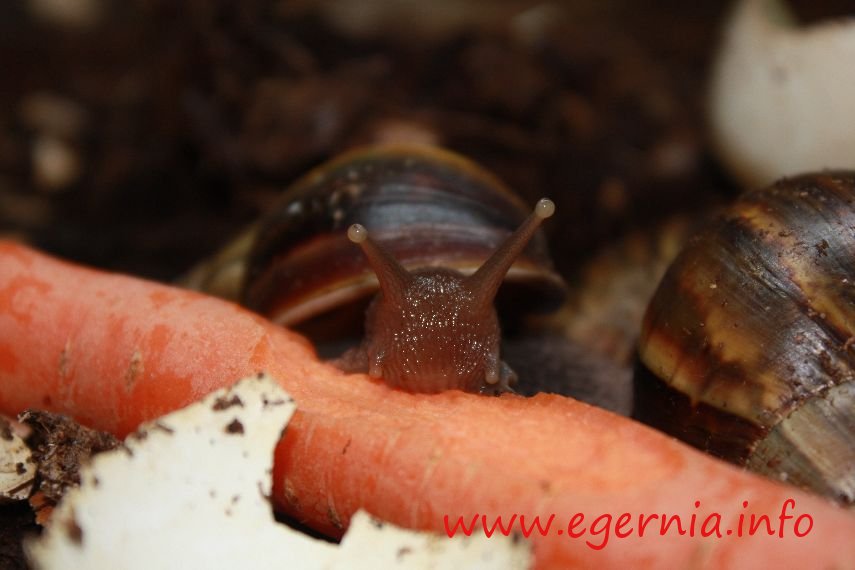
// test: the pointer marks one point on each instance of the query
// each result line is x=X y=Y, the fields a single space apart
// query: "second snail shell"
x=748 y=346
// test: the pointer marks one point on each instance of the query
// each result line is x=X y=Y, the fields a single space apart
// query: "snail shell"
x=748 y=346
x=426 y=206
x=429 y=208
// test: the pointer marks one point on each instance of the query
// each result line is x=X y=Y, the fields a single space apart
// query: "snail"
x=434 y=218
x=747 y=348
x=435 y=329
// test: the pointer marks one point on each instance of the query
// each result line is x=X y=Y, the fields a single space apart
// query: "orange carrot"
x=113 y=351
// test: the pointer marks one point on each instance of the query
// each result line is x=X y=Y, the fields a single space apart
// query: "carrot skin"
x=114 y=351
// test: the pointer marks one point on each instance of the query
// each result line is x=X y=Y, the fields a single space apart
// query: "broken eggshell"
x=782 y=97
x=370 y=544
x=17 y=469
x=190 y=490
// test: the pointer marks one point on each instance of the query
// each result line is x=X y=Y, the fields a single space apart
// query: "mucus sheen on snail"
x=436 y=329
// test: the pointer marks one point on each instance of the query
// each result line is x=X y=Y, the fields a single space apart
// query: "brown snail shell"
x=428 y=207
x=748 y=347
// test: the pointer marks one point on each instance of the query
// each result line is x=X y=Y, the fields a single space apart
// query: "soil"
x=143 y=139
x=60 y=446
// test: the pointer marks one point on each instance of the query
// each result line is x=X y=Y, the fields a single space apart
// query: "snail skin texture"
x=437 y=329
x=748 y=346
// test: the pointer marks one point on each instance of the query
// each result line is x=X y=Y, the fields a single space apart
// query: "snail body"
x=434 y=219
x=436 y=329
x=747 y=349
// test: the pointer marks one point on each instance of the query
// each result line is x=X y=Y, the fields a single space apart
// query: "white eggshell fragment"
x=782 y=97
x=190 y=490
x=17 y=470
x=370 y=544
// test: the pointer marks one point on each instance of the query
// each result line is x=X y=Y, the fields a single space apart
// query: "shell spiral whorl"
x=748 y=346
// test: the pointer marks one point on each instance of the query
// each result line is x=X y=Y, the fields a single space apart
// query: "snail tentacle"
x=437 y=329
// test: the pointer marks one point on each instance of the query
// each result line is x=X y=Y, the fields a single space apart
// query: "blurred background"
x=140 y=135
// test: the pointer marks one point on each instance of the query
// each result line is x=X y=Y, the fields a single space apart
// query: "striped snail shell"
x=748 y=346
x=426 y=206
x=444 y=233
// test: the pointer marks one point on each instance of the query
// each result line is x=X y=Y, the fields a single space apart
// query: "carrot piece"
x=114 y=351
